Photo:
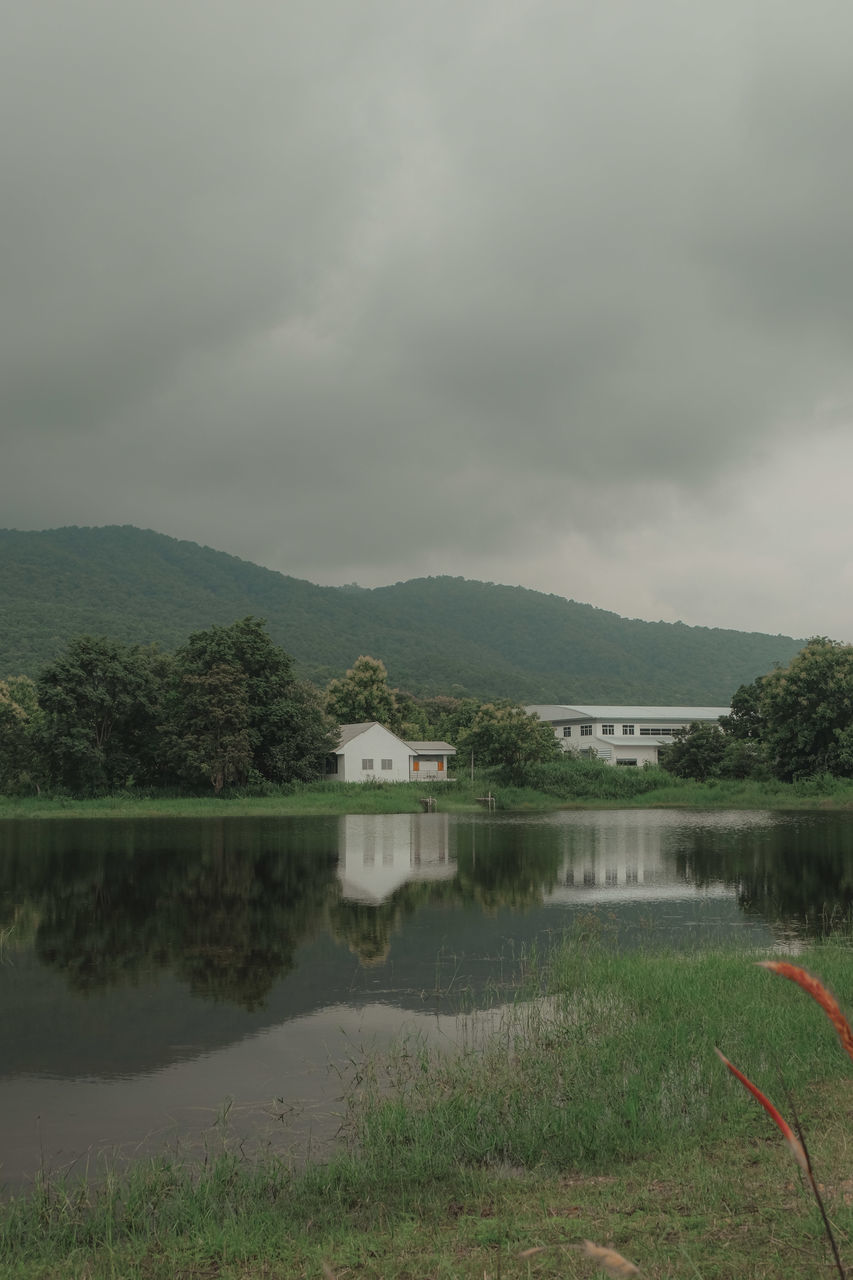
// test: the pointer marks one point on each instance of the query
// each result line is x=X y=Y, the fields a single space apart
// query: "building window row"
x=628 y=731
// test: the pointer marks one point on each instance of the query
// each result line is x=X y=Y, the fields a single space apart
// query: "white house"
x=371 y=753
x=621 y=735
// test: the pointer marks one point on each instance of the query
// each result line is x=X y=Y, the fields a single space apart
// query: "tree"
x=746 y=721
x=695 y=752
x=506 y=736
x=807 y=712
x=20 y=722
x=212 y=741
x=363 y=694
x=101 y=705
x=236 y=710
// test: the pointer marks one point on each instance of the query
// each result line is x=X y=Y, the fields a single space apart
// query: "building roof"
x=560 y=711
x=350 y=731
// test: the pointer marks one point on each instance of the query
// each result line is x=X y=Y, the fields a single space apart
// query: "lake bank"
x=597 y=1109
x=652 y=789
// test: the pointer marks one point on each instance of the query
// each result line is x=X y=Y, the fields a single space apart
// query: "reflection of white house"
x=371 y=753
x=621 y=735
x=378 y=852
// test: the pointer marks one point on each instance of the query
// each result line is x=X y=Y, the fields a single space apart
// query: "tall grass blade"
x=614 y=1264
x=797 y=1148
x=815 y=988
x=795 y=1143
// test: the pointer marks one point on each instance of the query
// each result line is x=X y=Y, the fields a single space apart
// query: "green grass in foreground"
x=596 y=1109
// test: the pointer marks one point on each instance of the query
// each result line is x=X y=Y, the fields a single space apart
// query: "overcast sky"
x=556 y=293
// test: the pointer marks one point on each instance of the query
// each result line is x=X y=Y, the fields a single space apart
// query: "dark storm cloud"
x=382 y=289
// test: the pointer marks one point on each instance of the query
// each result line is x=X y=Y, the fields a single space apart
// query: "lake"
x=175 y=984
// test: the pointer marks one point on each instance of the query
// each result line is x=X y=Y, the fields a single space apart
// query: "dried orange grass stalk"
x=815 y=988
x=797 y=1148
x=614 y=1264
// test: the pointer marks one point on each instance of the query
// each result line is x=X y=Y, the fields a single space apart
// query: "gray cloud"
x=499 y=289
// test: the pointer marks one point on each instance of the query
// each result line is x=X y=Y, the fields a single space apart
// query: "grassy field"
x=595 y=1109
x=581 y=785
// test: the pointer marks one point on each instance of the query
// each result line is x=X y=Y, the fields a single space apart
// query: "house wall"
x=376 y=745
x=429 y=768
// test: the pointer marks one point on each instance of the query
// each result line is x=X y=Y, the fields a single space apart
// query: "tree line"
x=793 y=723
x=224 y=710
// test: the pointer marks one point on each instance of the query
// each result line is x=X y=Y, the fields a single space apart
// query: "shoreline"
x=600 y=1113
x=396 y=798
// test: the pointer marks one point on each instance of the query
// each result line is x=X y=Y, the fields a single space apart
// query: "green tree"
x=746 y=720
x=101 y=706
x=507 y=737
x=362 y=695
x=695 y=752
x=20 y=724
x=237 y=711
x=807 y=712
x=212 y=740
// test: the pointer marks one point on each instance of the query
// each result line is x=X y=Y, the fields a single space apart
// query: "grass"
x=597 y=1109
x=571 y=784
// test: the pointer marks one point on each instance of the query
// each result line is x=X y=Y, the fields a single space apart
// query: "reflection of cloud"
x=379 y=852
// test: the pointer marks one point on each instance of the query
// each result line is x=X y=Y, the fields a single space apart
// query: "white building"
x=621 y=735
x=371 y=753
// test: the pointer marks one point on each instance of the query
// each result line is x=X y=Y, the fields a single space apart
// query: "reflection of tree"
x=497 y=866
x=222 y=905
x=365 y=929
x=798 y=874
x=507 y=866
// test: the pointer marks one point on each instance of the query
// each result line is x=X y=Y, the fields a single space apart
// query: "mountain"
x=435 y=635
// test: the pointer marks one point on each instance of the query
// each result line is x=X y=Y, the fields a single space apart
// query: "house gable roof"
x=348 y=732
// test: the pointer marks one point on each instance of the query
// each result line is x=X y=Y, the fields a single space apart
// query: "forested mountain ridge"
x=435 y=635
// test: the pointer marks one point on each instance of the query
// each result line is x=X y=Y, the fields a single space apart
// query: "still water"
x=165 y=983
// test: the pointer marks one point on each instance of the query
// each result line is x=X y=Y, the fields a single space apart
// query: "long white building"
x=621 y=735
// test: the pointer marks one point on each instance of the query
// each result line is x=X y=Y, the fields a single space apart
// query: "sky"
x=553 y=293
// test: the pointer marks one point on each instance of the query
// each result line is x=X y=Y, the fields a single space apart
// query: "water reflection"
x=179 y=952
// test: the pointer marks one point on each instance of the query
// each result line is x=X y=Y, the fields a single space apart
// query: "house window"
x=608 y=728
x=628 y=730
x=331 y=764
x=367 y=763
x=567 y=730
x=655 y=733
x=387 y=764
x=627 y=762
x=586 y=730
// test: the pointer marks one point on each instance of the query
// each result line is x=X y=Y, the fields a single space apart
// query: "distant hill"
x=435 y=635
